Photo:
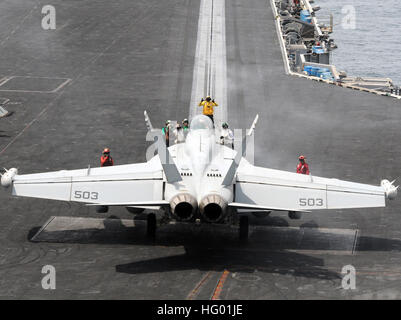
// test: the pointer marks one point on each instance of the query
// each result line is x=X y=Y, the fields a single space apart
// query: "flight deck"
x=74 y=90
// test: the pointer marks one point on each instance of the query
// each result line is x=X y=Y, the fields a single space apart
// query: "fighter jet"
x=199 y=181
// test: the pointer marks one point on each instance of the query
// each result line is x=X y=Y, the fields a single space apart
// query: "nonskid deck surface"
x=124 y=57
x=128 y=231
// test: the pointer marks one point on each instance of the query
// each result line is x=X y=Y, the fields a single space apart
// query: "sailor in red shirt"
x=106 y=160
x=302 y=167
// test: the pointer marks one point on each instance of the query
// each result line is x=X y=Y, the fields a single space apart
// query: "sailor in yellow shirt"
x=208 y=107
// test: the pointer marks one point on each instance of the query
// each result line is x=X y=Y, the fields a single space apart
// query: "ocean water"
x=373 y=48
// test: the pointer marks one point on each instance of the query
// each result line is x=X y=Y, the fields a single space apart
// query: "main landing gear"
x=243 y=228
x=151 y=225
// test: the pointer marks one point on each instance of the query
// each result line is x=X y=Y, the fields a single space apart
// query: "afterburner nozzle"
x=389 y=188
x=213 y=208
x=183 y=206
x=8 y=176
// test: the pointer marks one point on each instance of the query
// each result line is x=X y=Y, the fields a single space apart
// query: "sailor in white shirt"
x=227 y=136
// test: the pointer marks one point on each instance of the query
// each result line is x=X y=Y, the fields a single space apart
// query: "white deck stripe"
x=210 y=57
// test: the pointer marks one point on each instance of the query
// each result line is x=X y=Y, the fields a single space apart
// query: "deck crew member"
x=227 y=136
x=179 y=134
x=208 y=107
x=106 y=160
x=185 y=127
x=185 y=124
x=166 y=133
x=303 y=167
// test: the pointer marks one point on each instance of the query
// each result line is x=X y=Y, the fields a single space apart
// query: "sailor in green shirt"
x=166 y=133
x=185 y=127
x=185 y=124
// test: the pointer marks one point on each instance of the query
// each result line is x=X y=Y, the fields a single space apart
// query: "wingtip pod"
x=8 y=177
x=389 y=188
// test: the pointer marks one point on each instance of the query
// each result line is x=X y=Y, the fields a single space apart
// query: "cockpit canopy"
x=201 y=122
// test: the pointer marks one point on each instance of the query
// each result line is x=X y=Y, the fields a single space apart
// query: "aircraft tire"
x=151 y=225
x=243 y=227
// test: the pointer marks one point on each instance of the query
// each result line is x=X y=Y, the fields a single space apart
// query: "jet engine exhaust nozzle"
x=183 y=206
x=213 y=208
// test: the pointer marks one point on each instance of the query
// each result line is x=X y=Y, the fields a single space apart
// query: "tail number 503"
x=86 y=195
x=311 y=202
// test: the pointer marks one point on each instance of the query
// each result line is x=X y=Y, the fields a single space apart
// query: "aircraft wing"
x=117 y=185
x=258 y=187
